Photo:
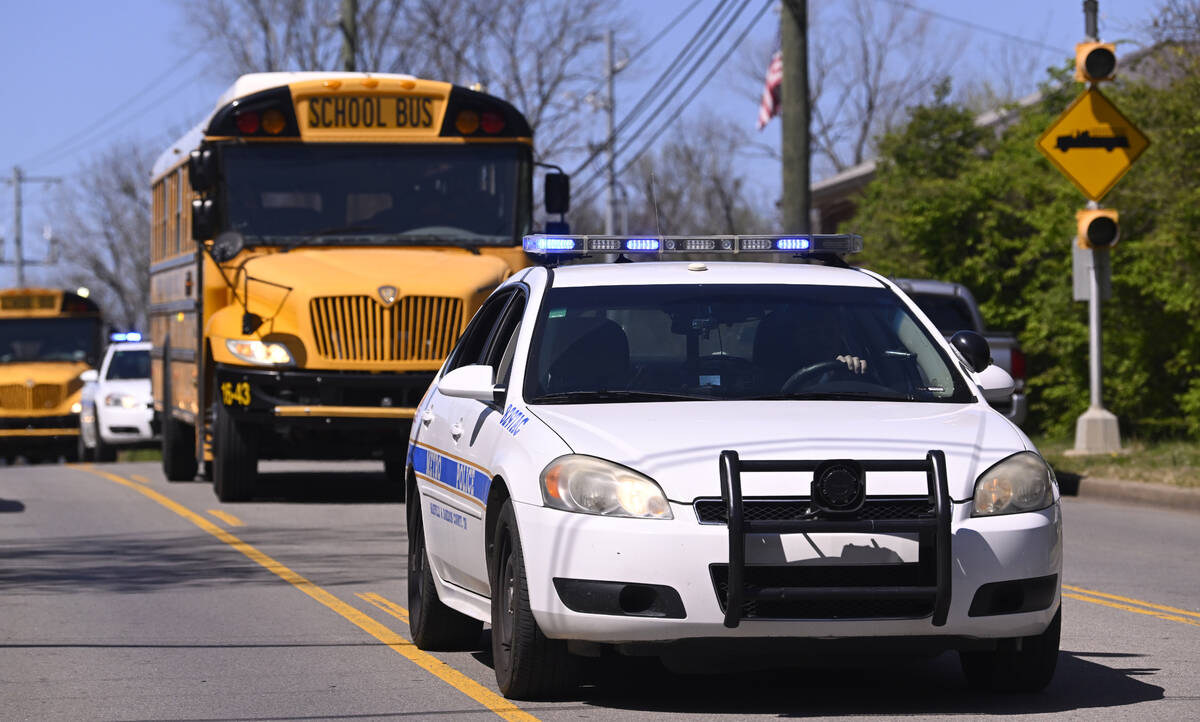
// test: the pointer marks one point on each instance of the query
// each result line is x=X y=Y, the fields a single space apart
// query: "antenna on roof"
x=654 y=201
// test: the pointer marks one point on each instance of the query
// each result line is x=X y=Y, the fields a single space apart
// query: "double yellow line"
x=382 y=632
x=1129 y=604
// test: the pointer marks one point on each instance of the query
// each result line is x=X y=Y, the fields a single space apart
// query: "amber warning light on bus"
x=268 y=114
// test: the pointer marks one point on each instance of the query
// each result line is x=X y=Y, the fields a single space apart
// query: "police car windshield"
x=126 y=365
x=733 y=342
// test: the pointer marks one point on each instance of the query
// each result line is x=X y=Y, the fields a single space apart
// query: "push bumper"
x=681 y=554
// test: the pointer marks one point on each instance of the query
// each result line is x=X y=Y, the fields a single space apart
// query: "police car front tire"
x=1024 y=667
x=528 y=664
x=433 y=625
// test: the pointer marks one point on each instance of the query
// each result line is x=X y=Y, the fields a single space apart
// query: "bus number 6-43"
x=238 y=393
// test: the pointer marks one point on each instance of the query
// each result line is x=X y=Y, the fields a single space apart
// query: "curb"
x=1144 y=493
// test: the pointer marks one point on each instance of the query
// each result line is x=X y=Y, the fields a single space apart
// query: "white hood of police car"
x=678 y=443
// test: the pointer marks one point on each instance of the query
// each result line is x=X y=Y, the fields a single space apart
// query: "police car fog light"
x=589 y=596
x=587 y=485
x=1019 y=483
x=1014 y=597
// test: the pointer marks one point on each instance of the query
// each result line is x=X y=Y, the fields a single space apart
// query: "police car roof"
x=679 y=272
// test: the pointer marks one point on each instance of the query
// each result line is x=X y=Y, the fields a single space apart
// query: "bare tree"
x=104 y=224
x=540 y=55
x=868 y=61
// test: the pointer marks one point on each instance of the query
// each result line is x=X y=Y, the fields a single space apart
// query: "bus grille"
x=359 y=328
x=19 y=397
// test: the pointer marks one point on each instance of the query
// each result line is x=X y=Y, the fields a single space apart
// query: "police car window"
x=129 y=365
x=949 y=313
x=472 y=344
x=503 y=342
x=734 y=342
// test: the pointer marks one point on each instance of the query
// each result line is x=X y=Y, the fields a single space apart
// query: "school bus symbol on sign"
x=1092 y=143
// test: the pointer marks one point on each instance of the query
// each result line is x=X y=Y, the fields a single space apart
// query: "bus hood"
x=678 y=443
x=41 y=372
x=305 y=273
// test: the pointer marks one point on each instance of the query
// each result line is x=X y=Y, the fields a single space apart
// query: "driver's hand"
x=855 y=364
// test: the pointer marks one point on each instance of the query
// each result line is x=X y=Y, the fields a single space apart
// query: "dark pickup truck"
x=952 y=308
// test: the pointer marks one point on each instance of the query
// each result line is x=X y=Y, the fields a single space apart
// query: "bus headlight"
x=1019 y=483
x=269 y=353
x=589 y=485
x=76 y=408
x=125 y=401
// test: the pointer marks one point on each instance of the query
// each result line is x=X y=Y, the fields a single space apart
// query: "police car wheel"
x=433 y=625
x=235 y=457
x=103 y=451
x=1009 y=669
x=528 y=664
x=83 y=452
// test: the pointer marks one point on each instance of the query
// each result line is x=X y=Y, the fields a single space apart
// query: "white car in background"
x=118 y=407
x=714 y=460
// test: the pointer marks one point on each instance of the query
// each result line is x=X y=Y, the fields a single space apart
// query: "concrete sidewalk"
x=1177 y=498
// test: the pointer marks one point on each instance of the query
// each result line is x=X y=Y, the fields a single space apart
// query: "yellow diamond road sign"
x=1092 y=143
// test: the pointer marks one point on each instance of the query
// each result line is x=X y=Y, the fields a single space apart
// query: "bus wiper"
x=338 y=229
x=570 y=397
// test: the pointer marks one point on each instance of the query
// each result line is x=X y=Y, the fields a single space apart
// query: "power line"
x=670 y=95
x=90 y=128
x=696 y=91
x=976 y=26
x=683 y=55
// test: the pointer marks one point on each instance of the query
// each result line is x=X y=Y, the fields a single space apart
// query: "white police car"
x=676 y=458
x=118 y=408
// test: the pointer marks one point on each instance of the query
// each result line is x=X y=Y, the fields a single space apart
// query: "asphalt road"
x=123 y=597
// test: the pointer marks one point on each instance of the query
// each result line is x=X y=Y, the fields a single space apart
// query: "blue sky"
x=72 y=68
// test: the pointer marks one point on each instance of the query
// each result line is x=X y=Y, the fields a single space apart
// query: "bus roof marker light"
x=83 y=292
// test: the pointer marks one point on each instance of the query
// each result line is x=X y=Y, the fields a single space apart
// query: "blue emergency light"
x=132 y=336
x=664 y=246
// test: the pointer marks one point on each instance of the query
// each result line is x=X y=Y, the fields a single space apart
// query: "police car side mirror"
x=89 y=376
x=995 y=383
x=973 y=348
x=470 y=382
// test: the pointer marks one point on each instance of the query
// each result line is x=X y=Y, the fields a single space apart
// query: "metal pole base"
x=1096 y=432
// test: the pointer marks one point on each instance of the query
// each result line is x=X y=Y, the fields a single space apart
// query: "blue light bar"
x=665 y=246
x=133 y=336
x=124 y=336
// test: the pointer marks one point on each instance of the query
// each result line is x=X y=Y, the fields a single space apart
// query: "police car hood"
x=678 y=443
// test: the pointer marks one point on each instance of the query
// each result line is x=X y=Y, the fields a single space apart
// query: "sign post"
x=1093 y=144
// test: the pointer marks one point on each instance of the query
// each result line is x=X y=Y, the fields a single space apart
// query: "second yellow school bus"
x=319 y=241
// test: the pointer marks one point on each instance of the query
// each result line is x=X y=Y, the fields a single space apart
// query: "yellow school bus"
x=47 y=339
x=319 y=241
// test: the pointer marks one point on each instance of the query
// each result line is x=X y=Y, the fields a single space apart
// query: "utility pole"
x=610 y=109
x=19 y=178
x=793 y=27
x=349 y=26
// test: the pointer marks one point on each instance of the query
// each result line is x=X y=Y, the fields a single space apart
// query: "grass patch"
x=139 y=455
x=1163 y=462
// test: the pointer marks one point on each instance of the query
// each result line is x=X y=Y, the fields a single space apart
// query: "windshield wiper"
x=828 y=396
x=570 y=397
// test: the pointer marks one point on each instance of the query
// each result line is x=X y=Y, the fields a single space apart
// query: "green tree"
x=954 y=201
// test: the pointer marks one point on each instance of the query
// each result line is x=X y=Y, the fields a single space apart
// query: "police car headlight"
x=268 y=353
x=125 y=401
x=1019 y=483
x=588 y=485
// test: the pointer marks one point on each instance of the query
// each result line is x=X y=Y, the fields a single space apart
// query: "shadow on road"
x=322 y=487
x=10 y=505
x=903 y=687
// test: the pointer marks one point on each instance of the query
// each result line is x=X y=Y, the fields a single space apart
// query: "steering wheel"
x=798 y=379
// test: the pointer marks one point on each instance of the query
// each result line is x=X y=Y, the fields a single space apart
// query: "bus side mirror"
x=202 y=172
x=558 y=193
x=204 y=219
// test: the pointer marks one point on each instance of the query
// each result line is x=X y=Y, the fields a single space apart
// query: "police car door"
x=453 y=486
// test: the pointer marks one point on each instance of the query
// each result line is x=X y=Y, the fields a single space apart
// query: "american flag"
x=769 y=106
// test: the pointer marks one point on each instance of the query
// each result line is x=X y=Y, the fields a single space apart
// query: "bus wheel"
x=104 y=452
x=235 y=457
x=178 y=443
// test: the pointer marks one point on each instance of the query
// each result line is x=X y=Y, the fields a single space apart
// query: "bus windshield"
x=379 y=194
x=47 y=339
